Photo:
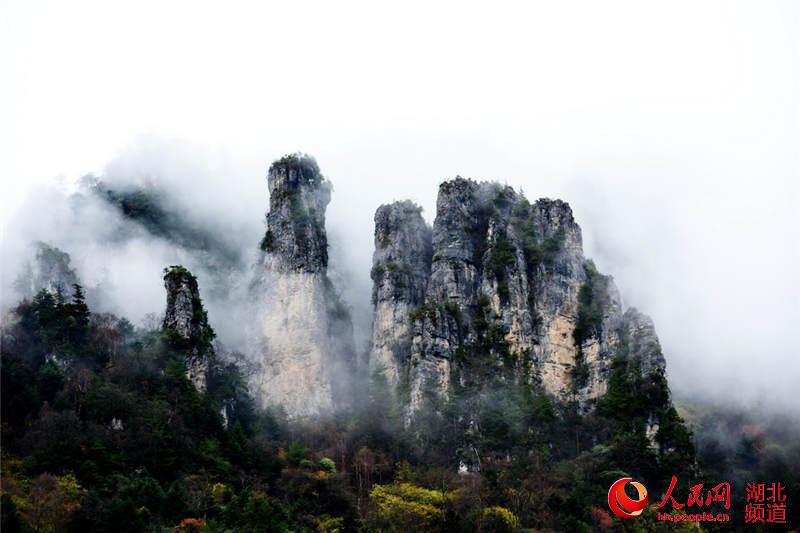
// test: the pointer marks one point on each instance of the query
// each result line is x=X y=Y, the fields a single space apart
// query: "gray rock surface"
x=510 y=297
x=302 y=347
x=186 y=325
x=497 y=291
x=298 y=197
x=50 y=269
x=401 y=266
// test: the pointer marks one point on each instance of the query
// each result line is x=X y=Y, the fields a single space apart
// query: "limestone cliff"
x=401 y=266
x=510 y=298
x=303 y=347
x=50 y=269
x=185 y=326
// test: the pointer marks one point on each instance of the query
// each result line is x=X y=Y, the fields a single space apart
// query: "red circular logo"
x=621 y=504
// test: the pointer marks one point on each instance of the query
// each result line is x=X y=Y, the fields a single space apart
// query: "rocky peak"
x=643 y=346
x=510 y=299
x=401 y=266
x=402 y=258
x=299 y=195
x=50 y=270
x=185 y=326
x=303 y=345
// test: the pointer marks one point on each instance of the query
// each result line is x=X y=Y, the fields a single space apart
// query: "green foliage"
x=551 y=245
x=136 y=434
x=501 y=258
x=202 y=333
x=377 y=272
x=179 y=272
x=307 y=235
x=483 y=301
x=262 y=515
x=453 y=310
x=50 y=381
x=515 y=419
x=490 y=349
x=537 y=251
x=631 y=403
x=255 y=513
x=503 y=197
x=421 y=312
x=331 y=525
x=296 y=453
x=267 y=242
x=147 y=452
x=498 y=519
x=590 y=310
x=589 y=322
x=326 y=464
x=298 y=161
x=55 y=325
x=398 y=275
x=403 y=506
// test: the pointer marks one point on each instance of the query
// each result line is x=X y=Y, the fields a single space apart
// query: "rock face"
x=303 y=352
x=401 y=266
x=497 y=292
x=298 y=197
x=50 y=270
x=510 y=298
x=186 y=324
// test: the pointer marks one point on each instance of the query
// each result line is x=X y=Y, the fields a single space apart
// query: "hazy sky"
x=671 y=127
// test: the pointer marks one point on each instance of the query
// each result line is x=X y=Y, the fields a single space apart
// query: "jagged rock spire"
x=295 y=240
x=510 y=297
x=303 y=346
x=401 y=266
x=185 y=326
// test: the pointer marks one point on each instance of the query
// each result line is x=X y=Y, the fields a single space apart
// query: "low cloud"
x=714 y=265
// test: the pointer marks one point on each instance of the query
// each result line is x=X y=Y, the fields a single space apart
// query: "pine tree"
x=78 y=318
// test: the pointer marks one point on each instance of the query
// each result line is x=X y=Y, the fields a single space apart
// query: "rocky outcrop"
x=510 y=298
x=50 y=269
x=498 y=291
x=401 y=266
x=643 y=348
x=295 y=240
x=185 y=326
x=303 y=348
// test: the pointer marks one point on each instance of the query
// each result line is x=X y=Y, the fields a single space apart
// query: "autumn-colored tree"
x=498 y=519
x=191 y=525
x=52 y=501
x=404 y=506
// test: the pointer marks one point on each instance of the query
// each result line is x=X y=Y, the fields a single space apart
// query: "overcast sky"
x=671 y=127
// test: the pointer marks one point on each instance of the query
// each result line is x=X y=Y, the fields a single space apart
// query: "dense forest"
x=103 y=431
